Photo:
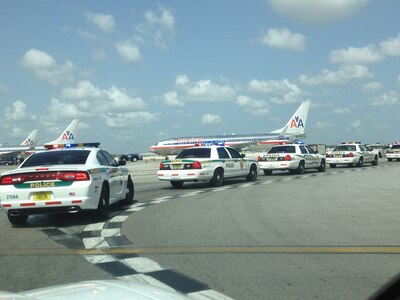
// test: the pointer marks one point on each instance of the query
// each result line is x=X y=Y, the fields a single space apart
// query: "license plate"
x=338 y=155
x=42 y=196
x=177 y=167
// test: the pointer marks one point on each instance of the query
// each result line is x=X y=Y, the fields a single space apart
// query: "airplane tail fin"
x=68 y=135
x=31 y=140
x=297 y=123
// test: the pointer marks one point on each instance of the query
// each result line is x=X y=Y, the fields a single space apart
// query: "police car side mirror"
x=122 y=163
x=243 y=155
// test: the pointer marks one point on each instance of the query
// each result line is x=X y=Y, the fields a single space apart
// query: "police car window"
x=310 y=150
x=101 y=159
x=110 y=160
x=303 y=150
x=395 y=147
x=234 y=153
x=195 y=153
x=51 y=157
x=222 y=153
x=283 y=149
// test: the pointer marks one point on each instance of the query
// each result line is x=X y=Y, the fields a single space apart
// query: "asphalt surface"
x=318 y=235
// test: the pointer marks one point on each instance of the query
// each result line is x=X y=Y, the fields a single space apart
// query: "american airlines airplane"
x=294 y=129
x=28 y=144
x=66 y=137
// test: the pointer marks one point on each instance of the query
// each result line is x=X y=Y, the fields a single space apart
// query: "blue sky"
x=135 y=72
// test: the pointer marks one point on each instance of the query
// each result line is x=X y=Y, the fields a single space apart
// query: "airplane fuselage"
x=175 y=145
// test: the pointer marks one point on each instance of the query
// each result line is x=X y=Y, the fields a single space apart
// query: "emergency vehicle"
x=351 y=153
x=295 y=158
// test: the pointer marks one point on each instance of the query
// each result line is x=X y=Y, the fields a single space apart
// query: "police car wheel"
x=322 y=167
x=130 y=193
x=332 y=165
x=177 y=184
x=389 y=159
x=17 y=220
x=300 y=168
x=252 y=173
x=218 y=178
x=103 y=207
x=375 y=161
x=267 y=172
x=360 y=162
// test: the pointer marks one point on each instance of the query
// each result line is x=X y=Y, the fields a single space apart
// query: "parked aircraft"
x=294 y=129
x=27 y=144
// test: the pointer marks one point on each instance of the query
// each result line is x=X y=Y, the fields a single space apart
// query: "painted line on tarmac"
x=108 y=252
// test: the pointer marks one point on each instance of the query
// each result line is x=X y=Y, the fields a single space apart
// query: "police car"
x=295 y=158
x=351 y=154
x=393 y=152
x=80 y=177
x=211 y=163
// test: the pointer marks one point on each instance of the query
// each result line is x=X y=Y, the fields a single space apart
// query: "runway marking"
x=101 y=254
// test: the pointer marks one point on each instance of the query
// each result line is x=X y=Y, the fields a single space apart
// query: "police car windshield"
x=396 y=147
x=76 y=157
x=283 y=149
x=195 y=153
x=345 y=148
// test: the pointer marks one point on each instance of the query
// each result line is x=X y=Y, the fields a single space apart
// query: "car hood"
x=99 y=290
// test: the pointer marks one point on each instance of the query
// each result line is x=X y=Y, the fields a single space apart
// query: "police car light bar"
x=74 y=145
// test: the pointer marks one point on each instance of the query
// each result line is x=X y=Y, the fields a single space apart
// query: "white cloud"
x=285 y=91
x=354 y=56
x=252 y=106
x=66 y=110
x=283 y=38
x=45 y=67
x=104 y=22
x=84 y=90
x=203 y=90
x=391 y=46
x=211 y=119
x=120 y=99
x=341 y=111
x=158 y=26
x=388 y=99
x=172 y=99
x=343 y=75
x=128 y=51
x=356 y=124
x=18 y=112
x=129 y=119
x=371 y=86
x=317 y=11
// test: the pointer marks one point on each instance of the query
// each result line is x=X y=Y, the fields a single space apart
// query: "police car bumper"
x=69 y=199
x=341 y=160
x=184 y=175
x=278 y=165
x=393 y=155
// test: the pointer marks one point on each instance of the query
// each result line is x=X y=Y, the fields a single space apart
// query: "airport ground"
x=331 y=235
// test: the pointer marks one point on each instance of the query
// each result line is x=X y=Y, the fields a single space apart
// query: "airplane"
x=66 y=137
x=14 y=150
x=293 y=130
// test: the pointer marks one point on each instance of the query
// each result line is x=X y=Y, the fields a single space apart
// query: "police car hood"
x=99 y=290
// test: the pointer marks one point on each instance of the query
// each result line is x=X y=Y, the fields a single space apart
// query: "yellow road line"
x=210 y=250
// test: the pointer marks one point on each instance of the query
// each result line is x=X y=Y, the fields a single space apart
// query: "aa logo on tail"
x=29 y=142
x=68 y=136
x=296 y=122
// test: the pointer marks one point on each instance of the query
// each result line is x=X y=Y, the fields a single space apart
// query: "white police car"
x=212 y=163
x=295 y=158
x=350 y=154
x=393 y=152
x=69 y=180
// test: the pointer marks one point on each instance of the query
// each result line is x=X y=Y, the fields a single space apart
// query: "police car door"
x=115 y=177
x=240 y=164
x=313 y=157
x=367 y=153
x=307 y=160
x=227 y=162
